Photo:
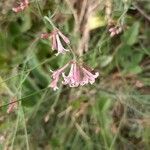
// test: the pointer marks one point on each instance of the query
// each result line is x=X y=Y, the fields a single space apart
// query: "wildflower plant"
x=102 y=108
x=56 y=42
x=78 y=75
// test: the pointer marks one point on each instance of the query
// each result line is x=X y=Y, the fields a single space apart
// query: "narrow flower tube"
x=56 y=37
x=53 y=84
x=66 y=40
x=73 y=78
x=59 y=46
x=55 y=77
x=88 y=77
x=56 y=42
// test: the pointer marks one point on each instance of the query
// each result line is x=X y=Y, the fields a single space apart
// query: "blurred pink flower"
x=56 y=42
x=12 y=106
x=115 y=31
x=74 y=76
x=78 y=76
x=88 y=76
x=22 y=6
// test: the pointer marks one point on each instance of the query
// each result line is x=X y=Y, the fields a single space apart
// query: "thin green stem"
x=50 y=21
x=73 y=53
x=29 y=70
x=25 y=128
x=15 y=131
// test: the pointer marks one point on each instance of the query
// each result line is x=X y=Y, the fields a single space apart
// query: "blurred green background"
x=112 y=114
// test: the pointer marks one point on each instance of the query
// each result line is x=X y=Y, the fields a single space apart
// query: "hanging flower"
x=88 y=76
x=78 y=76
x=74 y=76
x=21 y=6
x=55 y=76
x=56 y=42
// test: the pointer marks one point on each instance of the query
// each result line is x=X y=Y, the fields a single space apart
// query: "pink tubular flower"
x=88 y=77
x=55 y=76
x=78 y=76
x=22 y=6
x=74 y=77
x=56 y=42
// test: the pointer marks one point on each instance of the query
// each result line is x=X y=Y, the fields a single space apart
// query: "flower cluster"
x=56 y=42
x=78 y=75
x=23 y=4
x=115 y=31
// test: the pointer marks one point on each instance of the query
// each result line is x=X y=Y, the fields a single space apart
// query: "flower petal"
x=60 y=47
x=66 y=40
x=54 y=43
x=53 y=84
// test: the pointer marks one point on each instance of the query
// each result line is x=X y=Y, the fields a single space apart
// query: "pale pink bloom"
x=115 y=31
x=77 y=76
x=66 y=40
x=55 y=77
x=22 y=6
x=74 y=77
x=56 y=42
x=88 y=77
x=54 y=82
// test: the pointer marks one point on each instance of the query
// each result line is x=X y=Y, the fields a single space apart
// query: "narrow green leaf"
x=131 y=35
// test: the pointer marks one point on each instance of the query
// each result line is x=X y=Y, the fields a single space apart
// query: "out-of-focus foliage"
x=111 y=114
